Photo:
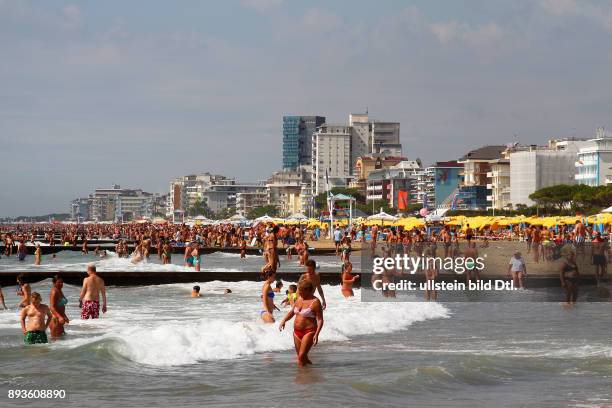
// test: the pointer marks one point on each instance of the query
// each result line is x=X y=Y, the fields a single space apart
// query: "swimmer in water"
x=315 y=278
x=37 y=255
x=278 y=286
x=195 y=257
x=57 y=305
x=569 y=274
x=291 y=296
x=267 y=296
x=308 y=321
x=89 y=299
x=243 y=246
x=348 y=279
x=2 y=299
x=23 y=290
x=195 y=292
x=35 y=329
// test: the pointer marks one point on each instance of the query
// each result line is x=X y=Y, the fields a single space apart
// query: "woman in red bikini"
x=308 y=321
x=348 y=278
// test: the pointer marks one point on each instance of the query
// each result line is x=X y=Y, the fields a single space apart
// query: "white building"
x=186 y=190
x=594 y=163
x=331 y=157
x=373 y=137
x=537 y=167
x=499 y=184
x=120 y=204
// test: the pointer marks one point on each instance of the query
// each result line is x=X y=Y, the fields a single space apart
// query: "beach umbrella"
x=237 y=219
x=265 y=218
x=382 y=217
x=297 y=217
x=607 y=210
x=200 y=219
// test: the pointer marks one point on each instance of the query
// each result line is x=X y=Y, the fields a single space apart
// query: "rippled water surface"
x=156 y=346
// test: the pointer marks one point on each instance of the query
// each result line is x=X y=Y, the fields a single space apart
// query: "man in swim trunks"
x=89 y=298
x=22 y=250
x=35 y=329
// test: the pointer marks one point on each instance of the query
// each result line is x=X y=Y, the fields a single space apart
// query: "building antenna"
x=366 y=110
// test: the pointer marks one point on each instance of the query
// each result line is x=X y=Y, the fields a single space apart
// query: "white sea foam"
x=162 y=326
x=226 y=336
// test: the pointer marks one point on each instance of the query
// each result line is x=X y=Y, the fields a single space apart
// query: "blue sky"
x=139 y=92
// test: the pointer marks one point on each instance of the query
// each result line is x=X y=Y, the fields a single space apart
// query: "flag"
x=402 y=200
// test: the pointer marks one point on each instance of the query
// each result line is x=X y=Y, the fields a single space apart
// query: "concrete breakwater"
x=47 y=250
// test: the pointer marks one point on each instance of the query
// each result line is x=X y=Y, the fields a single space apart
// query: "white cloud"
x=73 y=16
x=584 y=9
x=454 y=32
x=316 y=20
x=261 y=5
x=559 y=6
x=94 y=55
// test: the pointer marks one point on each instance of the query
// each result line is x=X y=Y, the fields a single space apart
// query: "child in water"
x=308 y=313
x=291 y=296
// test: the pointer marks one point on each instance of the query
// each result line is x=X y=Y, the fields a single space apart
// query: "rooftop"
x=484 y=153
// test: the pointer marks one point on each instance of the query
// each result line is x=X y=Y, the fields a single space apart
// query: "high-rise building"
x=594 y=164
x=297 y=140
x=373 y=137
x=331 y=157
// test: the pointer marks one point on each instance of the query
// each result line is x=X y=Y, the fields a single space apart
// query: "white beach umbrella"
x=203 y=220
x=382 y=216
x=265 y=218
x=297 y=217
x=607 y=210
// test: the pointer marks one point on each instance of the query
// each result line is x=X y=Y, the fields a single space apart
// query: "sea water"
x=157 y=346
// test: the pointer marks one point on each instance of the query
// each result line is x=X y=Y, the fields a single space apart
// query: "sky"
x=94 y=93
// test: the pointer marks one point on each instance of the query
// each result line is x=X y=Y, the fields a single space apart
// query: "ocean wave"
x=220 y=339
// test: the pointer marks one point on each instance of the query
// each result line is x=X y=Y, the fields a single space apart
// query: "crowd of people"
x=36 y=317
x=542 y=245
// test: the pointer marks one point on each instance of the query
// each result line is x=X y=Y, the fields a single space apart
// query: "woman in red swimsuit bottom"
x=308 y=321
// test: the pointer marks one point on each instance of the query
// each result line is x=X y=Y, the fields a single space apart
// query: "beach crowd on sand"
x=541 y=244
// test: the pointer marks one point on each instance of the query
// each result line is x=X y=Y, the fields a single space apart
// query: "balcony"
x=490 y=186
x=489 y=198
x=585 y=176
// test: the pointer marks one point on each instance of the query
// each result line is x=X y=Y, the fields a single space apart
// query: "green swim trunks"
x=35 y=337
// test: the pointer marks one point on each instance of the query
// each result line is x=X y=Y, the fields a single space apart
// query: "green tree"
x=199 y=208
x=559 y=196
